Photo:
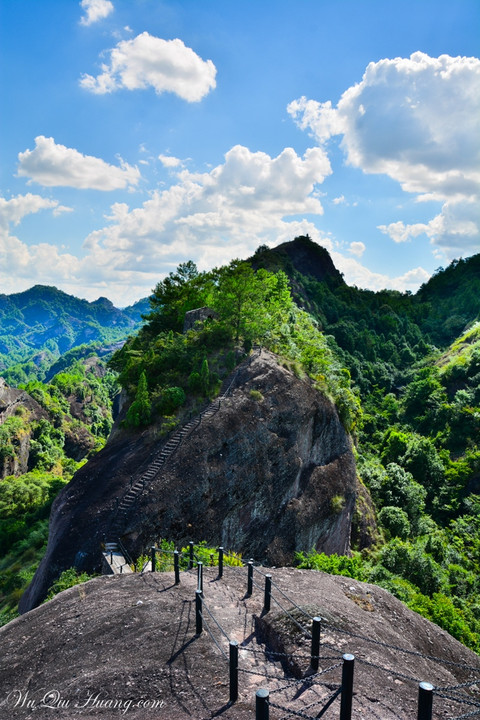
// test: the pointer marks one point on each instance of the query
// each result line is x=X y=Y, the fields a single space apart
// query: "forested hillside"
x=41 y=324
x=415 y=359
x=402 y=369
x=46 y=434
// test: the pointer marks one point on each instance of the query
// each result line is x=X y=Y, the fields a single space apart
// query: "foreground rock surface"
x=126 y=647
x=270 y=472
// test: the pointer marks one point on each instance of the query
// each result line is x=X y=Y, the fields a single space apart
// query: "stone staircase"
x=159 y=461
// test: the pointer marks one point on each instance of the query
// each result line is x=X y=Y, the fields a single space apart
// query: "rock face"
x=105 y=648
x=13 y=401
x=270 y=472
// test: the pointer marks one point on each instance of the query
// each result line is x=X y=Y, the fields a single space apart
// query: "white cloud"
x=95 y=10
x=399 y=232
x=455 y=231
x=357 y=248
x=357 y=274
x=211 y=218
x=14 y=210
x=21 y=265
x=416 y=120
x=53 y=165
x=339 y=200
x=148 y=61
x=169 y=161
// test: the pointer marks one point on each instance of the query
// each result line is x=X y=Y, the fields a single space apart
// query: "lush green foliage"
x=69 y=578
x=164 y=369
x=41 y=324
x=403 y=370
x=57 y=445
x=208 y=556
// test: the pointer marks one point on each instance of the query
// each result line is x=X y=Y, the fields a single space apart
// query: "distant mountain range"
x=41 y=324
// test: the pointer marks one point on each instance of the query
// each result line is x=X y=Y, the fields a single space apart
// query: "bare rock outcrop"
x=269 y=473
x=126 y=646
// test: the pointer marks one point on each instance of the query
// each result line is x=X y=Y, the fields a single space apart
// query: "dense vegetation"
x=164 y=369
x=41 y=324
x=416 y=363
x=76 y=422
x=403 y=369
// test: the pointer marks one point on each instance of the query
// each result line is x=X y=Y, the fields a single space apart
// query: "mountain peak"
x=309 y=258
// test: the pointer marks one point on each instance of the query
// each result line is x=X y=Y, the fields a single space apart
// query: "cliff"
x=269 y=470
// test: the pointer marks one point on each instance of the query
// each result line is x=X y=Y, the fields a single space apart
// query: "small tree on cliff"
x=140 y=410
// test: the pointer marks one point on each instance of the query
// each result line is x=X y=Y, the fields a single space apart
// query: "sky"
x=138 y=134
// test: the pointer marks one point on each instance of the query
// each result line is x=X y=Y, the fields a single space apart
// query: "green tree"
x=395 y=521
x=183 y=290
x=139 y=412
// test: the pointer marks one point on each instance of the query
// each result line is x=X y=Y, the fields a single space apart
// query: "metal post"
x=190 y=561
x=347 y=687
x=268 y=593
x=198 y=612
x=153 y=557
x=315 y=649
x=425 y=701
x=176 y=567
x=220 y=562
x=249 y=577
x=200 y=576
x=233 y=671
x=261 y=704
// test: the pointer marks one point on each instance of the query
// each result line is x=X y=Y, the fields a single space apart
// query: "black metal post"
x=425 y=701
x=315 y=649
x=233 y=671
x=153 y=557
x=190 y=561
x=347 y=687
x=268 y=593
x=261 y=704
x=176 y=567
x=198 y=612
x=220 y=562
x=200 y=576
x=249 y=577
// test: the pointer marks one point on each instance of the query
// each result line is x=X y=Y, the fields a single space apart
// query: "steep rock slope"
x=270 y=472
x=126 y=646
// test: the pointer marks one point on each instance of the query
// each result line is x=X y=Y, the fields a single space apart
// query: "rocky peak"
x=267 y=471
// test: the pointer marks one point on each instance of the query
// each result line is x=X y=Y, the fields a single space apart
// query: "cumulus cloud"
x=416 y=120
x=357 y=248
x=248 y=200
x=357 y=274
x=95 y=10
x=53 y=165
x=148 y=61
x=14 y=210
x=169 y=161
x=455 y=230
x=216 y=216
x=21 y=265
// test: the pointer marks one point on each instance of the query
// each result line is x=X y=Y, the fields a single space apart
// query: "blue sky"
x=138 y=134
